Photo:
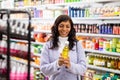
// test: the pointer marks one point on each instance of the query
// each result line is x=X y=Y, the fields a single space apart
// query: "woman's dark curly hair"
x=55 y=33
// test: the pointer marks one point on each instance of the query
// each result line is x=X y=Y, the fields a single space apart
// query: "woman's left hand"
x=67 y=62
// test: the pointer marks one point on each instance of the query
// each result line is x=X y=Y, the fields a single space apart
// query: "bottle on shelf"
x=90 y=59
x=118 y=63
x=65 y=51
x=108 y=62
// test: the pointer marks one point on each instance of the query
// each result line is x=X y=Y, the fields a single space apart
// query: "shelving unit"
x=104 y=69
x=7 y=32
x=99 y=35
x=86 y=34
x=17 y=40
x=93 y=20
x=35 y=43
x=70 y=3
x=22 y=61
x=80 y=20
x=37 y=54
x=43 y=31
x=103 y=52
x=97 y=20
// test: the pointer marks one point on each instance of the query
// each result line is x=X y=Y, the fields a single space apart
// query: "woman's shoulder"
x=79 y=44
x=48 y=43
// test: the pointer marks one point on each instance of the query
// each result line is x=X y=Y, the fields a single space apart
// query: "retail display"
x=93 y=75
x=7 y=48
x=103 y=61
x=105 y=29
x=97 y=23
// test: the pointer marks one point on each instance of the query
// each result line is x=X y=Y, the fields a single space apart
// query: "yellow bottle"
x=26 y=2
x=65 y=50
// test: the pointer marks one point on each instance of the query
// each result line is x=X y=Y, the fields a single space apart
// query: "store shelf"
x=80 y=18
x=85 y=34
x=16 y=36
x=84 y=3
x=24 y=41
x=86 y=20
x=106 y=0
x=42 y=31
x=45 y=6
x=111 y=21
x=19 y=40
x=97 y=18
x=36 y=20
x=104 y=69
x=86 y=50
x=39 y=43
x=25 y=62
x=37 y=54
x=98 y=35
x=103 y=52
x=43 y=19
x=22 y=61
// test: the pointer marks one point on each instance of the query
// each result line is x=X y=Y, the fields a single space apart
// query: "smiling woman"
x=53 y=64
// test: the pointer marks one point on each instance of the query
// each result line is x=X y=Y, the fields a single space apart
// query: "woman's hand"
x=67 y=62
x=63 y=61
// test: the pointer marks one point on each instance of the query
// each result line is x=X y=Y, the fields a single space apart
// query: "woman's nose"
x=64 y=28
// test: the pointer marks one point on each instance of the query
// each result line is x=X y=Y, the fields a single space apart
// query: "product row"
x=101 y=44
x=102 y=11
x=18 y=71
x=17 y=49
x=20 y=49
x=16 y=27
x=98 y=29
x=103 y=61
x=18 y=3
x=74 y=12
x=84 y=28
x=42 y=13
x=94 y=75
x=41 y=37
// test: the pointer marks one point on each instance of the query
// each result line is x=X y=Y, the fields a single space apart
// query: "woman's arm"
x=45 y=66
x=81 y=66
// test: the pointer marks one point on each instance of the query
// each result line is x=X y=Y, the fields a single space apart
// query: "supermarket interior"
x=25 y=27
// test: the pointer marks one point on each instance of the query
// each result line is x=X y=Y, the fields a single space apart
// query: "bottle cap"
x=66 y=42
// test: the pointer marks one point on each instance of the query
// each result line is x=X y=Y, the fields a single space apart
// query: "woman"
x=52 y=63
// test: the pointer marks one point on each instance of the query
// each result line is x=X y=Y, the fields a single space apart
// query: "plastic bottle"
x=13 y=73
x=32 y=73
x=90 y=59
x=65 y=50
x=118 y=63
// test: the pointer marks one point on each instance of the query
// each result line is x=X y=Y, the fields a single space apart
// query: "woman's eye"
x=67 y=26
x=61 y=26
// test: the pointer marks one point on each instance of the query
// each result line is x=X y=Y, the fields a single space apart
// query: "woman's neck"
x=62 y=39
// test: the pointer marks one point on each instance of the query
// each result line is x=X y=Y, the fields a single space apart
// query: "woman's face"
x=64 y=28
